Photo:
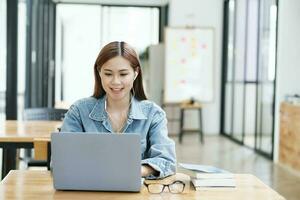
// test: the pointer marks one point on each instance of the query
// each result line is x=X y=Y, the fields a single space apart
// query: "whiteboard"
x=189 y=64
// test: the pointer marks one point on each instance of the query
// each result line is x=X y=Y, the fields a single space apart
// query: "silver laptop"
x=96 y=161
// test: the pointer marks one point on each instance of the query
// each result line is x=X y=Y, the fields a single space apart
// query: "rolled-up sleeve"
x=160 y=154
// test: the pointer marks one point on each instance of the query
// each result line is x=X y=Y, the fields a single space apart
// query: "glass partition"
x=249 y=66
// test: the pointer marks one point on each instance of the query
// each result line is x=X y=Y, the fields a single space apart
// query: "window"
x=81 y=31
x=2 y=58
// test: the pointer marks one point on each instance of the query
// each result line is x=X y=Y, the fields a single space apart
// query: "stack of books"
x=203 y=176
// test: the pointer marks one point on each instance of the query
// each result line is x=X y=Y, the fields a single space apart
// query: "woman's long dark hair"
x=110 y=51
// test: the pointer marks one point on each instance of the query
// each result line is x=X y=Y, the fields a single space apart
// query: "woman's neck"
x=119 y=105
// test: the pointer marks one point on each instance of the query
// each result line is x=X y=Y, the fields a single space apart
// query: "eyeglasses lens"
x=155 y=188
x=176 y=188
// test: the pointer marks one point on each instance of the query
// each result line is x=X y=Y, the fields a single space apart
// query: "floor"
x=222 y=152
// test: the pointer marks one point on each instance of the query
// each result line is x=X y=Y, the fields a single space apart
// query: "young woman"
x=119 y=105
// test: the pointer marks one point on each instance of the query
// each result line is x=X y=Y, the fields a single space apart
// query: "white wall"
x=203 y=13
x=288 y=57
x=156 y=72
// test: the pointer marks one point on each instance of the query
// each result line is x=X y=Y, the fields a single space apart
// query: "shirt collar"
x=136 y=111
x=98 y=112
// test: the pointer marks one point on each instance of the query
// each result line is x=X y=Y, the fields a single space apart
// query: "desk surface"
x=38 y=185
x=26 y=131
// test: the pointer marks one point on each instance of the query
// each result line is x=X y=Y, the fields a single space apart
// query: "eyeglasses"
x=156 y=188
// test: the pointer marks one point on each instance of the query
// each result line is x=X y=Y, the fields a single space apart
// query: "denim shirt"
x=144 y=118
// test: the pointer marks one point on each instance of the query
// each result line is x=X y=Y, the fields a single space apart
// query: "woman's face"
x=117 y=78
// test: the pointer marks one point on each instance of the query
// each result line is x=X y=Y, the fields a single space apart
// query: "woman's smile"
x=116 y=90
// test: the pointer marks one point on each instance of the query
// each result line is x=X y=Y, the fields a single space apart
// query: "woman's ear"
x=135 y=75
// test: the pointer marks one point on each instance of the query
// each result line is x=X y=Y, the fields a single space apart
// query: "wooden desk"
x=38 y=185
x=23 y=134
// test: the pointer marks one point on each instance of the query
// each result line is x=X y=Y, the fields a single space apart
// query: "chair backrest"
x=44 y=114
